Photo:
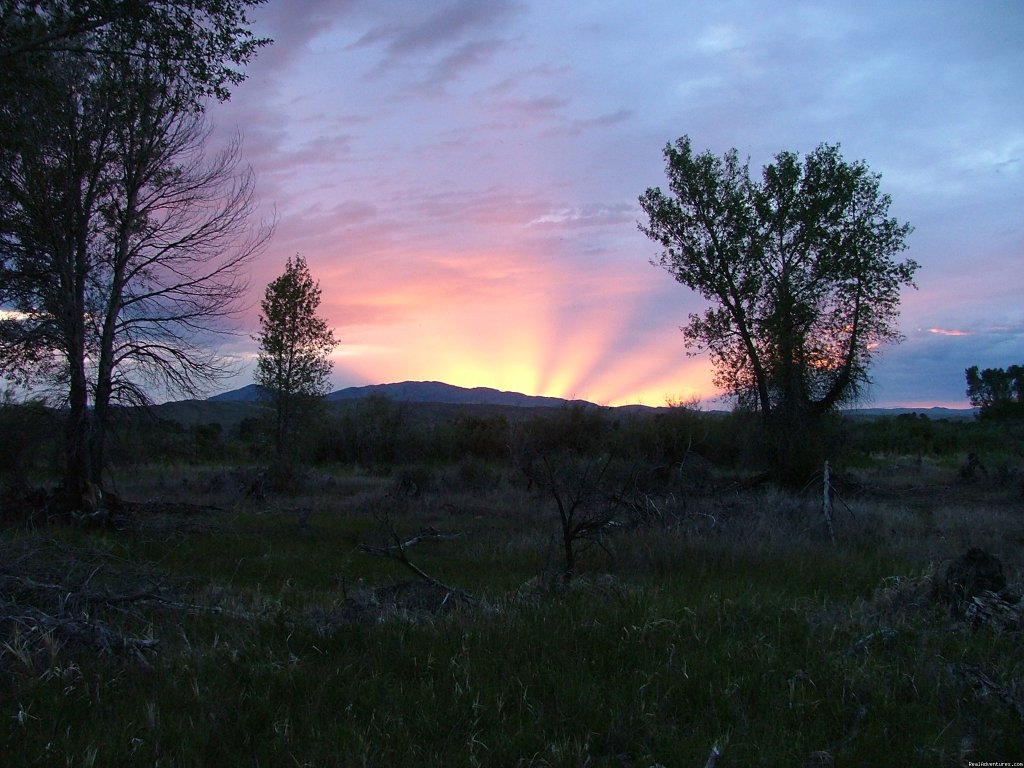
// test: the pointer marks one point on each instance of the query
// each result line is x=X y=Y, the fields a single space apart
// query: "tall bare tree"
x=54 y=180
x=123 y=244
x=180 y=244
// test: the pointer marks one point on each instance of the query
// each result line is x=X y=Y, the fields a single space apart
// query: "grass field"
x=218 y=629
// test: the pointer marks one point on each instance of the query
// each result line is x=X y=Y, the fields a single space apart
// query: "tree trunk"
x=105 y=366
x=570 y=554
x=78 y=491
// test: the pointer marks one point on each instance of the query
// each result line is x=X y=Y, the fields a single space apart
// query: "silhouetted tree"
x=998 y=392
x=800 y=266
x=583 y=495
x=294 y=362
x=122 y=244
x=203 y=43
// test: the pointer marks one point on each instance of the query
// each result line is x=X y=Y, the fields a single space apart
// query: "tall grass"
x=733 y=621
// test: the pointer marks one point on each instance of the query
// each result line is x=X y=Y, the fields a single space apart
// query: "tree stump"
x=972 y=573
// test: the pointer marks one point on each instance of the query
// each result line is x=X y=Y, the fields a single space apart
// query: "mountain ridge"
x=451 y=394
x=420 y=392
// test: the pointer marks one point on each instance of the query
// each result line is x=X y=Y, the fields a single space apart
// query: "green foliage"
x=800 y=268
x=208 y=440
x=370 y=432
x=914 y=434
x=294 y=341
x=482 y=437
x=294 y=365
x=576 y=428
x=377 y=429
x=774 y=650
x=202 y=43
x=998 y=392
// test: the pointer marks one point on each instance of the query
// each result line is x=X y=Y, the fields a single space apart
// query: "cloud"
x=449 y=39
x=929 y=366
x=607 y=120
x=463 y=176
x=719 y=38
x=425 y=28
x=590 y=215
x=467 y=56
x=294 y=30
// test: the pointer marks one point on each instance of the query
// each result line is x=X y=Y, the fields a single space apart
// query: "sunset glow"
x=514 y=335
x=462 y=177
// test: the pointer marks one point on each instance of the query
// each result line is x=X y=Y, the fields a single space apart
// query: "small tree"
x=589 y=489
x=293 y=364
x=585 y=499
x=998 y=392
x=800 y=266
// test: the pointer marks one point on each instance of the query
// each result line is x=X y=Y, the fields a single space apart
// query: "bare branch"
x=396 y=552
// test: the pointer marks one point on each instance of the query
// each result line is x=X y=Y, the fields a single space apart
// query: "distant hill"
x=439 y=393
x=247 y=394
x=227 y=412
x=931 y=413
x=420 y=392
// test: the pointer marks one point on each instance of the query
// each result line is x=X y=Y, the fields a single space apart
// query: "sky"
x=462 y=176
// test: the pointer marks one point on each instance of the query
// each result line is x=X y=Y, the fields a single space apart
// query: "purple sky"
x=462 y=177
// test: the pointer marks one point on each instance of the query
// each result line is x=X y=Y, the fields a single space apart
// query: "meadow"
x=410 y=606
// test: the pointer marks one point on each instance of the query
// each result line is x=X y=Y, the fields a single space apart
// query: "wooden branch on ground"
x=984 y=686
x=88 y=597
x=425 y=534
x=396 y=552
x=67 y=595
x=92 y=633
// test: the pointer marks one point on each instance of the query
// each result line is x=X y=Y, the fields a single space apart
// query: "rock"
x=1000 y=611
x=974 y=572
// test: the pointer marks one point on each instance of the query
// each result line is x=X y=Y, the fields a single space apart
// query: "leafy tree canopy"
x=294 y=362
x=800 y=267
x=122 y=244
x=202 y=43
x=998 y=392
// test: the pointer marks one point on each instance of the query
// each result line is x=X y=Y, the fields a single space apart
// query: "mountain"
x=449 y=394
x=247 y=394
x=931 y=413
x=439 y=392
x=420 y=392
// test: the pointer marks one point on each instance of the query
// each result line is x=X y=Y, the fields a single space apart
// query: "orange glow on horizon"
x=509 y=321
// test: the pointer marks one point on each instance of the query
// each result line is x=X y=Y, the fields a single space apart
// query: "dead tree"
x=585 y=496
x=396 y=550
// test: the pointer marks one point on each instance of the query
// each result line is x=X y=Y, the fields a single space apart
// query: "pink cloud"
x=441 y=26
x=462 y=177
